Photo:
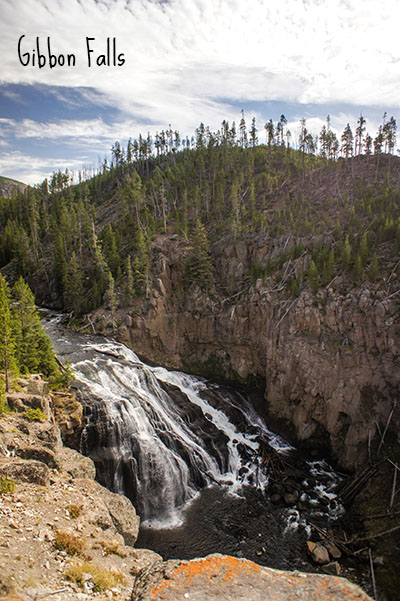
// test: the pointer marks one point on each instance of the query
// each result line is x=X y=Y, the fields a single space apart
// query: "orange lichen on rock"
x=223 y=578
x=217 y=567
x=214 y=566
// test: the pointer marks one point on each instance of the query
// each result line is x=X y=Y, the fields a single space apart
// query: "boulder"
x=68 y=414
x=332 y=568
x=334 y=552
x=123 y=514
x=75 y=464
x=37 y=453
x=223 y=578
x=318 y=552
x=291 y=498
x=32 y=471
x=46 y=434
x=20 y=401
x=120 y=509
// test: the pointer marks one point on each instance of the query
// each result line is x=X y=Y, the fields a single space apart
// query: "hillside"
x=9 y=186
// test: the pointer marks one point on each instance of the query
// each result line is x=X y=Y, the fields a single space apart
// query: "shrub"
x=7 y=486
x=4 y=408
x=71 y=544
x=112 y=549
x=62 y=379
x=35 y=415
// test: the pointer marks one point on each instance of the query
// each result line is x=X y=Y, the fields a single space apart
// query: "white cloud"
x=181 y=53
x=187 y=59
x=14 y=165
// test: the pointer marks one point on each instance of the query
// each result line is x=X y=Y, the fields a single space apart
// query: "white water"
x=140 y=410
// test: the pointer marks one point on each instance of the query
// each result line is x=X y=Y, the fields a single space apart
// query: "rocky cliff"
x=327 y=361
x=9 y=186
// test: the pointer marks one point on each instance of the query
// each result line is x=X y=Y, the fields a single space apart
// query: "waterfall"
x=162 y=439
x=162 y=436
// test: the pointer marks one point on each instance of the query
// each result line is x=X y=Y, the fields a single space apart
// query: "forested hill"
x=328 y=218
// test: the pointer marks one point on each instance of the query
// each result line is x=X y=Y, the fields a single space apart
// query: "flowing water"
x=201 y=467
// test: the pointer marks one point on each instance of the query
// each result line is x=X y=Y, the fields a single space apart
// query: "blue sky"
x=187 y=61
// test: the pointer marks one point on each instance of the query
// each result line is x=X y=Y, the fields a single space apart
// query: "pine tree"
x=358 y=272
x=378 y=141
x=283 y=123
x=346 y=253
x=323 y=140
x=8 y=363
x=253 y=133
x=347 y=142
x=110 y=299
x=24 y=313
x=73 y=285
x=328 y=270
x=360 y=130
x=313 y=276
x=128 y=289
x=34 y=351
x=243 y=132
x=270 y=132
x=199 y=268
x=110 y=250
x=364 y=249
x=368 y=145
x=374 y=268
x=140 y=262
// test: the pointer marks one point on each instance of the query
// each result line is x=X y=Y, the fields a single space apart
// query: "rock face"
x=328 y=361
x=9 y=186
x=223 y=578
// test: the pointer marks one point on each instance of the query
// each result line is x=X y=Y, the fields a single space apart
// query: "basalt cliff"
x=326 y=362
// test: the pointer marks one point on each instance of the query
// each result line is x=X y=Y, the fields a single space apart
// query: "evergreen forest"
x=328 y=209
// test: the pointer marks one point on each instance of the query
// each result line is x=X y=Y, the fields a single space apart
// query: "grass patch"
x=7 y=486
x=74 y=510
x=35 y=415
x=112 y=549
x=102 y=578
x=4 y=408
x=71 y=544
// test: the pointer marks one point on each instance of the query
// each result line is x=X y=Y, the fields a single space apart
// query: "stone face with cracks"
x=223 y=578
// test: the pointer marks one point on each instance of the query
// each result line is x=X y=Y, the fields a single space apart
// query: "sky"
x=185 y=61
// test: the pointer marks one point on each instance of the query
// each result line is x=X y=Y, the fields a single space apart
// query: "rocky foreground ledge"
x=64 y=537
x=223 y=578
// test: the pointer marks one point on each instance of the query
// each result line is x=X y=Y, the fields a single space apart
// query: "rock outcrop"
x=328 y=361
x=223 y=578
x=62 y=535
x=9 y=186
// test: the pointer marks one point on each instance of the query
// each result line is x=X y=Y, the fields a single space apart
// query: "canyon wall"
x=329 y=361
